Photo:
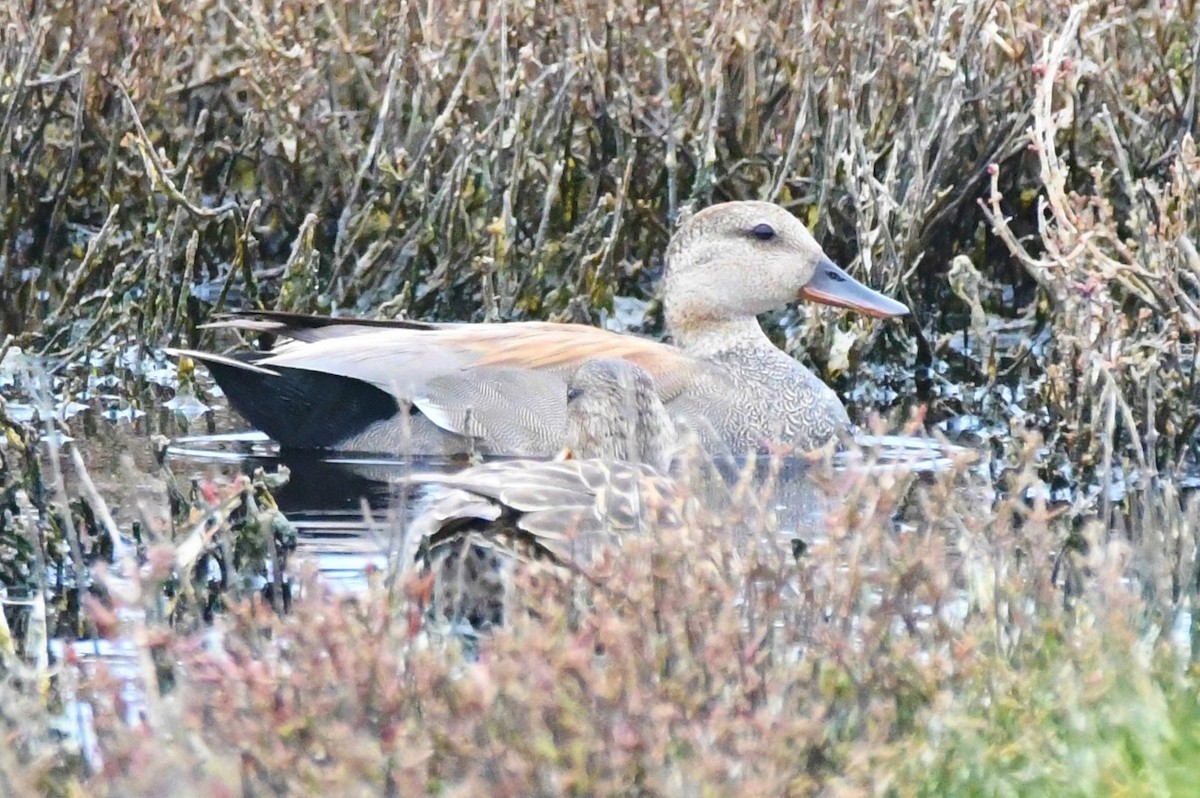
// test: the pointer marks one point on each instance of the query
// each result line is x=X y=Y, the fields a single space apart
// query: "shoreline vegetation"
x=1022 y=175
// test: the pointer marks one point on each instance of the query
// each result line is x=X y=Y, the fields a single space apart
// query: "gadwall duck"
x=613 y=482
x=399 y=386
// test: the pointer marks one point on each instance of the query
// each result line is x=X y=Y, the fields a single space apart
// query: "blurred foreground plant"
x=947 y=654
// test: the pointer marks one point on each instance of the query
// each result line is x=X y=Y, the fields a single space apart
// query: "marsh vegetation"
x=1023 y=175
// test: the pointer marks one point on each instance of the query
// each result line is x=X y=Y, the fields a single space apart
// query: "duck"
x=614 y=413
x=409 y=387
x=613 y=480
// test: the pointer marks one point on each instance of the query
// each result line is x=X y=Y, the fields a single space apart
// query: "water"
x=346 y=510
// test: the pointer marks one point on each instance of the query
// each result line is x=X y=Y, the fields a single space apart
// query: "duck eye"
x=763 y=231
x=573 y=394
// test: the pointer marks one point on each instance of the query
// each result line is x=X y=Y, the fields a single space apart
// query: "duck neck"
x=709 y=337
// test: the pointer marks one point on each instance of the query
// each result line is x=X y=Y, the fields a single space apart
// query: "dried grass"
x=470 y=161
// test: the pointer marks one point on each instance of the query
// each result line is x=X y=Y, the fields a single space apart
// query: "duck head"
x=736 y=260
x=614 y=413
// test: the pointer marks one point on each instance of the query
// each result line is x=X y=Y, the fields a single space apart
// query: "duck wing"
x=474 y=379
x=567 y=510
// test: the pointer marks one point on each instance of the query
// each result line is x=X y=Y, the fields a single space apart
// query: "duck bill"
x=830 y=285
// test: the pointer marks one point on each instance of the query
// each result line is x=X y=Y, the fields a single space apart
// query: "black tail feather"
x=307 y=321
x=298 y=408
